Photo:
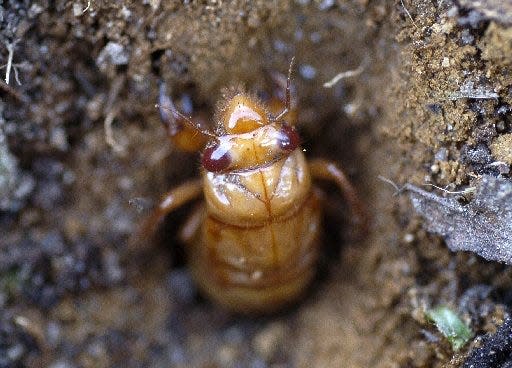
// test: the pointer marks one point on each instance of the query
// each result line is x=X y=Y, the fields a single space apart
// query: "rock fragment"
x=483 y=226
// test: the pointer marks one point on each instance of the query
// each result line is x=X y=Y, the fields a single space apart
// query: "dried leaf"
x=484 y=226
x=498 y=10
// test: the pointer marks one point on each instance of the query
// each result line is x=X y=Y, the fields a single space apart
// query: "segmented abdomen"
x=259 y=265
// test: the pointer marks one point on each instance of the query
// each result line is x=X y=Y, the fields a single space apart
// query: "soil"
x=83 y=157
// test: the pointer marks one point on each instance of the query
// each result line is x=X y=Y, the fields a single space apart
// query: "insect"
x=253 y=244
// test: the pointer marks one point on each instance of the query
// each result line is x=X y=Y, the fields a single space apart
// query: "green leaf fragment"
x=450 y=325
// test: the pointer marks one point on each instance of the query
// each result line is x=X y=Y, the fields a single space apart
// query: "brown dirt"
x=432 y=104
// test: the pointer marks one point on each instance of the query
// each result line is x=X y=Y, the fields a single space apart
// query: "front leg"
x=171 y=201
x=328 y=170
x=185 y=134
x=191 y=226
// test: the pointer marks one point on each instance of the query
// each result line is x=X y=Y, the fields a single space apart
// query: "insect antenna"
x=188 y=120
x=288 y=93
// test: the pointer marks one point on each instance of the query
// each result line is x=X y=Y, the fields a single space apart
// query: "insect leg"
x=328 y=170
x=182 y=132
x=172 y=200
x=192 y=224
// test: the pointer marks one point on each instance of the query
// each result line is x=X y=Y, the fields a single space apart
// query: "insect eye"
x=288 y=138
x=216 y=158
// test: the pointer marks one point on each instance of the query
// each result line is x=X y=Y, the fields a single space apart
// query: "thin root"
x=109 y=134
x=465 y=191
x=408 y=14
x=344 y=75
x=111 y=112
x=10 y=50
x=10 y=65
x=399 y=190
x=87 y=7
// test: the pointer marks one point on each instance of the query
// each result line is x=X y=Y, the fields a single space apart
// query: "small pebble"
x=62 y=364
x=307 y=71
x=15 y=352
x=325 y=4
x=111 y=263
x=59 y=139
x=269 y=340
x=114 y=53
x=441 y=155
x=182 y=288
x=226 y=355
x=467 y=37
x=53 y=333
x=501 y=126
x=408 y=238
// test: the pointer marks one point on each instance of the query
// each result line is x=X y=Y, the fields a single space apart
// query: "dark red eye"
x=288 y=138
x=216 y=158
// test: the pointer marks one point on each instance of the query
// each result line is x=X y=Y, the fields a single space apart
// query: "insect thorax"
x=257 y=196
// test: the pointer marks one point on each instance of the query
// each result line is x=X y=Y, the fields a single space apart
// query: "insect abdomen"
x=259 y=265
x=261 y=268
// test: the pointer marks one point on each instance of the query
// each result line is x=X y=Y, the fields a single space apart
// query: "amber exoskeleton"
x=253 y=244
